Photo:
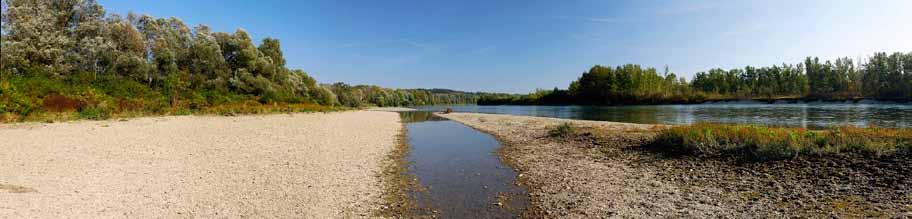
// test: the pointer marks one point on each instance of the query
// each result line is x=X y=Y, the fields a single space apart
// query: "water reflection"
x=418 y=116
x=461 y=175
x=809 y=115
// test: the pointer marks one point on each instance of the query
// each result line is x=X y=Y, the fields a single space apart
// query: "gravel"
x=603 y=171
x=315 y=165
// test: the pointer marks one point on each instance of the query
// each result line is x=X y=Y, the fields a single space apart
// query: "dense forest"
x=71 y=56
x=881 y=76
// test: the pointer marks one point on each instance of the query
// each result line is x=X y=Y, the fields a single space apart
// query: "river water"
x=459 y=173
x=808 y=115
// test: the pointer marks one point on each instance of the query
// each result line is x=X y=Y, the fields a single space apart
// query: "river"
x=808 y=115
x=459 y=173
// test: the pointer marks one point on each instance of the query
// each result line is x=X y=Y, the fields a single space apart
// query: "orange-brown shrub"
x=129 y=105
x=59 y=103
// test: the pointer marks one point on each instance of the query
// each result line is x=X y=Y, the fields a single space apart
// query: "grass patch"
x=95 y=113
x=852 y=207
x=766 y=143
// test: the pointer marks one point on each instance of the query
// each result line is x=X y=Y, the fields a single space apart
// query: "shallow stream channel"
x=460 y=175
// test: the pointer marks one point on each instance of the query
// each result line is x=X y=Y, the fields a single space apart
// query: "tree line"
x=881 y=76
x=361 y=95
x=73 y=52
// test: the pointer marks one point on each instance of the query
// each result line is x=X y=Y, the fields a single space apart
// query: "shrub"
x=563 y=130
x=12 y=101
x=95 y=113
x=59 y=103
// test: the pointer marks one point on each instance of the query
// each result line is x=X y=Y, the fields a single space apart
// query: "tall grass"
x=765 y=143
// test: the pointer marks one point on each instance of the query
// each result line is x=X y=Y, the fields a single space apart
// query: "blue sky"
x=518 y=46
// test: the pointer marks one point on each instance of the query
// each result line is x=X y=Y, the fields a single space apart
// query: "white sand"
x=287 y=165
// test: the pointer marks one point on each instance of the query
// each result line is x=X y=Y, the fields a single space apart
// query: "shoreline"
x=277 y=165
x=605 y=172
x=758 y=101
x=396 y=179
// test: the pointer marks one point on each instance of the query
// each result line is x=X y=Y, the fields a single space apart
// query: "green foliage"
x=629 y=84
x=883 y=76
x=95 y=113
x=361 y=95
x=765 y=143
x=13 y=101
x=603 y=85
x=751 y=82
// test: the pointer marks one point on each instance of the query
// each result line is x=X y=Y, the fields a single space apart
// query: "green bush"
x=563 y=130
x=13 y=101
x=95 y=113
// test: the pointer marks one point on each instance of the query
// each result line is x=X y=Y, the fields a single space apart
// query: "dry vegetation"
x=764 y=143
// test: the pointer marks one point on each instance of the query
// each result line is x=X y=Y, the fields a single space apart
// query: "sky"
x=519 y=46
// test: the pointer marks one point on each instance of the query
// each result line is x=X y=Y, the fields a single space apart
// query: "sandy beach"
x=312 y=165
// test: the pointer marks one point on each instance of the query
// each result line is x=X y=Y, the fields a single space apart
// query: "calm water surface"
x=808 y=115
x=460 y=174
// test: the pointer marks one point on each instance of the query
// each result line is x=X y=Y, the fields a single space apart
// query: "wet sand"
x=315 y=165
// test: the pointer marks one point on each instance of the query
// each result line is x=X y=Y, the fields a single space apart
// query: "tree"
x=907 y=74
x=271 y=48
x=206 y=61
x=325 y=96
x=40 y=33
x=238 y=50
x=875 y=74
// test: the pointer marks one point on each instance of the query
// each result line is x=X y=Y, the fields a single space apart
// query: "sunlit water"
x=460 y=173
x=808 y=115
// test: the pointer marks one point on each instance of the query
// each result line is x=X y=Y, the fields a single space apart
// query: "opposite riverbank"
x=311 y=165
x=603 y=170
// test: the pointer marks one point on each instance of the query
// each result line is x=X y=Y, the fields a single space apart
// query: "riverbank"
x=604 y=171
x=311 y=165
